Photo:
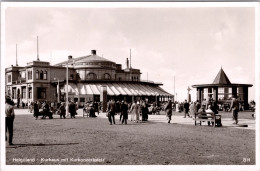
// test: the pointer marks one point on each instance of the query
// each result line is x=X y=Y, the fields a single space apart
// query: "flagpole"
x=67 y=85
x=58 y=91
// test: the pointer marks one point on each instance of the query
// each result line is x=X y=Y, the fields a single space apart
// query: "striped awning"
x=116 y=89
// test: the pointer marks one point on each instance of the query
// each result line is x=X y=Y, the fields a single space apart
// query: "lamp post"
x=189 y=89
x=58 y=90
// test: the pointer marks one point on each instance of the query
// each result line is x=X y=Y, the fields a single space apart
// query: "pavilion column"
x=245 y=91
x=226 y=93
x=199 y=94
x=215 y=94
x=234 y=91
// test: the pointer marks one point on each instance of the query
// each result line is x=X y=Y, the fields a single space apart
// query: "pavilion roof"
x=221 y=78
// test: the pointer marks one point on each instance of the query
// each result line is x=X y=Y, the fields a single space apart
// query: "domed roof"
x=93 y=58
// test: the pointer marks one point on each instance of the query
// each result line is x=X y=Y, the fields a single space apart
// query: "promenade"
x=246 y=121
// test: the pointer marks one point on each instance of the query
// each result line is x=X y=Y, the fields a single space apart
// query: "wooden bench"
x=208 y=117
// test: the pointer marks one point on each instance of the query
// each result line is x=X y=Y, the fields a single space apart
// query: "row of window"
x=222 y=90
x=41 y=75
x=93 y=76
x=17 y=94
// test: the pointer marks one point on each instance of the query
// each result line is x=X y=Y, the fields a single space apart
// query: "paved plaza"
x=93 y=141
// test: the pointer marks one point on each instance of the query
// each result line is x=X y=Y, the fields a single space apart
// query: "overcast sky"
x=189 y=43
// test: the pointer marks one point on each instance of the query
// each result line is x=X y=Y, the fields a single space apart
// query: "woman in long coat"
x=193 y=109
x=135 y=110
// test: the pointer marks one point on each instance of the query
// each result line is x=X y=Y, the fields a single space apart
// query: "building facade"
x=87 y=75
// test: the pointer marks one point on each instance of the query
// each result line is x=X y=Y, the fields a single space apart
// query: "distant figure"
x=135 y=110
x=144 y=110
x=124 y=112
x=96 y=108
x=35 y=109
x=186 y=109
x=62 y=111
x=9 y=119
x=198 y=106
x=235 y=108
x=72 y=110
x=112 y=111
x=91 y=111
x=168 y=110
x=192 y=109
x=23 y=104
x=204 y=104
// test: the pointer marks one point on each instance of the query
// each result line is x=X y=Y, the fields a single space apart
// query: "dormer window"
x=107 y=76
x=41 y=75
x=45 y=75
x=37 y=75
x=91 y=76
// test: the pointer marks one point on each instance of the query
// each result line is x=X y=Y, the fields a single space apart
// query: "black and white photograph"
x=130 y=85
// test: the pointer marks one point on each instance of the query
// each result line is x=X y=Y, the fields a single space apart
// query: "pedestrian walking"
x=135 y=110
x=234 y=107
x=111 y=111
x=35 y=110
x=9 y=119
x=72 y=109
x=192 y=109
x=62 y=111
x=168 y=110
x=124 y=112
x=186 y=109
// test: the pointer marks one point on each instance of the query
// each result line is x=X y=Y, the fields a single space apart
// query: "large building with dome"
x=87 y=75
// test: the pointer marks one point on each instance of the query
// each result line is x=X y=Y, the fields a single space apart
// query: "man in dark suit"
x=234 y=107
x=111 y=110
x=186 y=109
x=168 y=109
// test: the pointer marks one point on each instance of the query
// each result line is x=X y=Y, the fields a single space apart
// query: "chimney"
x=70 y=57
x=127 y=63
x=93 y=52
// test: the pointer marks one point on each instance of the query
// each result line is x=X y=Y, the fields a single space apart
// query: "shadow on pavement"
x=40 y=144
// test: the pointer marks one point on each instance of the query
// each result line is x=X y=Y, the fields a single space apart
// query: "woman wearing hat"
x=9 y=119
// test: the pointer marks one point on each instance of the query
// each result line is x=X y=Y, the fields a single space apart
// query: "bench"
x=208 y=117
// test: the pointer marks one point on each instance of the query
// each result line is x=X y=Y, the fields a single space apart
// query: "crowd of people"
x=138 y=110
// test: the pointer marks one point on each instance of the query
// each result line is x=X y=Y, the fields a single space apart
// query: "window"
x=82 y=99
x=37 y=75
x=30 y=92
x=8 y=91
x=91 y=76
x=107 y=76
x=9 y=78
x=23 y=92
x=29 y=75
x=41 y=93
x=224 y=93
x=14 y=93
x=23 y=74
x=41 y=75
x=45 y=75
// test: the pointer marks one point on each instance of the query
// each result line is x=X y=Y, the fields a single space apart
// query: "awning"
x=116 y=89
x=112 y=87
x=134 y=92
